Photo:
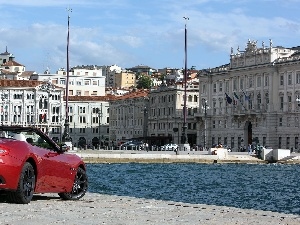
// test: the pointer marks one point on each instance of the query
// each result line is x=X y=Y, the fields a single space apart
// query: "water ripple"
x=272 y=187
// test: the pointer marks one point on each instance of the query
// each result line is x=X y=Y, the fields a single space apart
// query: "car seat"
x=20 y=137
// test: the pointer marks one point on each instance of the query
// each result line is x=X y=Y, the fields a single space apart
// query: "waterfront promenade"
x=95 y=209
x=124 y=156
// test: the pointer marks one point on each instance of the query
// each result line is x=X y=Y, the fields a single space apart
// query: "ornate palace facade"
x=253 y=99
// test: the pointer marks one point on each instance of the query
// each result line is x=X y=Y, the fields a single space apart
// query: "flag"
x=235 y=95
x=247 y=97
x=228 y=99
x=43 y=116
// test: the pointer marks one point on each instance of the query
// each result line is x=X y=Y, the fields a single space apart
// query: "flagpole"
x=184 y=139
x=66 y=137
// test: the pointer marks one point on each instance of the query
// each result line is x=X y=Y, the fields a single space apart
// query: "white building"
x=253 y=99
x=89 y=120
x=10 y=69
x=31 y=103
x=87 y=81
x=165 y=115
x=127 y=117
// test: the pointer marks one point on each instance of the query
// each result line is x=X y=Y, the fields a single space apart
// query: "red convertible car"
x=31 y=162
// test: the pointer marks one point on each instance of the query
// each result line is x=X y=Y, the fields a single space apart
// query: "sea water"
x=273 y=187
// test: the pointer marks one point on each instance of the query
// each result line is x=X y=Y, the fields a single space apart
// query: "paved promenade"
x=95 y=209
x=123 y=156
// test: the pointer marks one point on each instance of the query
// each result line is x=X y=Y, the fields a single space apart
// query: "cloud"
x=121 y=32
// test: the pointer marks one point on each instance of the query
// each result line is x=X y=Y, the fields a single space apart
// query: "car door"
x=54 y=171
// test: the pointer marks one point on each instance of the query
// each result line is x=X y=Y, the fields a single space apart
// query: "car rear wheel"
x=24 y=192
x=79 y=187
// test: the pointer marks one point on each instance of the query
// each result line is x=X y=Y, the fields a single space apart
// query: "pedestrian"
x=249 y=149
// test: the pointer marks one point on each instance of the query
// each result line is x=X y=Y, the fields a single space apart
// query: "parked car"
x=132 y=145
x=169 y=147
x=30 y=162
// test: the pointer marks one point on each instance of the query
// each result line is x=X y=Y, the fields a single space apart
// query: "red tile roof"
x=91 y=98
x=19 y=83
x=12 y=63
x=134 y=94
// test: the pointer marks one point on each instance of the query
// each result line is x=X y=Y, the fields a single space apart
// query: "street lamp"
x=145 y=123
x=205 y=107
x=99 y=112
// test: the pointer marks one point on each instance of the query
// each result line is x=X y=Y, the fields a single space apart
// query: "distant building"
x=89 y=121
x=125 y=79
x=31 y=103
x=110 y=74
x=127 y=117
x=253 y=99
x=142 y=69
x=10 y=69
x=165 y=115
x=83 y=81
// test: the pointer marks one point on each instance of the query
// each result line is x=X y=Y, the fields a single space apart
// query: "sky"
x=129 y=33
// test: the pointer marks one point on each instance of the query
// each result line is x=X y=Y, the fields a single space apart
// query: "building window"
x=250 y=82
x=266 y=80
x=296 y=142
x=280 y=121
x=290 y=81
x=203 y=88
x=281 y=102
x=82 y=119
x=241 y=84
x=220 y=87
x=220 y=124
x=225 y=140
x=81 y=109
x=288 y=142
x=258 y=81
x=298 y=77
x=264 y=141
x=232 y=142
x=289 y=121
x=281 y=80
x=235 y=84
x=258 y=101
x=279 y=142
x=214 y=87
x=227 y=86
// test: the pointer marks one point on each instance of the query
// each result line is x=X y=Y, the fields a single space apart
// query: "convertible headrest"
x=20 y=137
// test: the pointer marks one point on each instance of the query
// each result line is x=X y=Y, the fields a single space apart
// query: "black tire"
x=26 y=185
x=80 y=186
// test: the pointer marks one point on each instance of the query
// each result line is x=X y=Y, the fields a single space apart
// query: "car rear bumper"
x=9 y=173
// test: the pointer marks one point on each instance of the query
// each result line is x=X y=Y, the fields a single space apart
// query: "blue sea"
x=273 y=187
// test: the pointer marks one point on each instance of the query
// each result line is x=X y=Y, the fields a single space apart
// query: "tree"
x=144 y=82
